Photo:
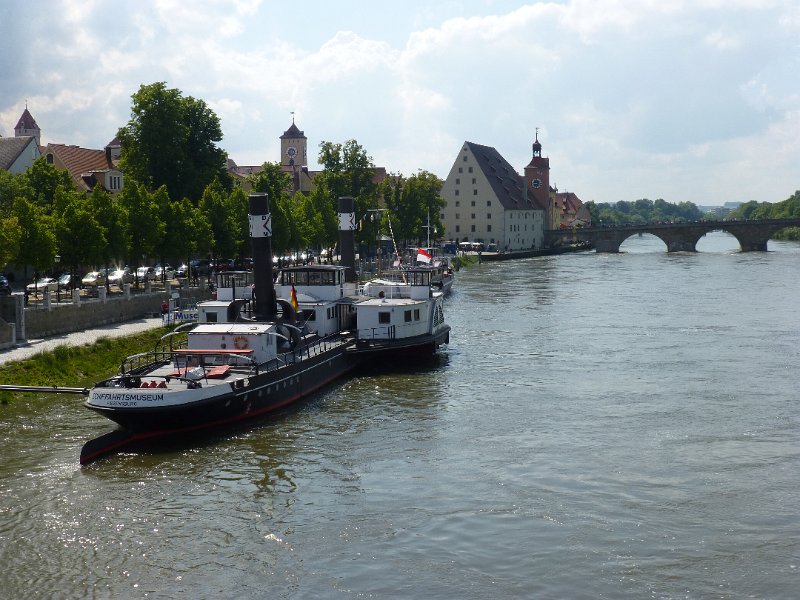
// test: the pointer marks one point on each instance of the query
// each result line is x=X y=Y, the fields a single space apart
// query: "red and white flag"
x=423 y=255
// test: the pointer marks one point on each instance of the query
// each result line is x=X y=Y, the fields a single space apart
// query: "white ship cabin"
x=234 y=290
x=397 y=310
x=227 y=343
x=414 y=283
x=323 y=297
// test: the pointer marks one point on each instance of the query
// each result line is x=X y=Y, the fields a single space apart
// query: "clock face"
x=291 y=151
x=537 y=183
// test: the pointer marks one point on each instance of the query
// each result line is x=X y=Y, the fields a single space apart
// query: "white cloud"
x=628 y=93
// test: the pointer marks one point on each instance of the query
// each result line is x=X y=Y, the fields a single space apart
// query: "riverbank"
x=32 y=347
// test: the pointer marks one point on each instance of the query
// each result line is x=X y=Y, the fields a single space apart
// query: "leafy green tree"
x=411 y=202
x=171 y=140
x=214 y=203
x=80 y=238
x=13 y=186
x=45 y=180
x=347 y=171
x=10 y=236
x=37 y=244
x=113 y=220
x=145 y=227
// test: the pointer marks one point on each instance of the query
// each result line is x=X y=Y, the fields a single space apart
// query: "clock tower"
x=294 y=147
x=537 y=176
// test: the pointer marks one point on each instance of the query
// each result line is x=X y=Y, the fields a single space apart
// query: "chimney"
x=347 y=237
x=261 y=243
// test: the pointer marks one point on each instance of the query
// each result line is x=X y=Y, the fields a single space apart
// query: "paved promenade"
x=77 y=338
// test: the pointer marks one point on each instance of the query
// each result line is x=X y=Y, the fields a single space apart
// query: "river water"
x=601 y=426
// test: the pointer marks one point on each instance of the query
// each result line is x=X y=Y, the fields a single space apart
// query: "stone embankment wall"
x=67 y=317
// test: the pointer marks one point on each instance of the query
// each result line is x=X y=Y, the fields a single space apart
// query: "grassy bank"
x=76 y=366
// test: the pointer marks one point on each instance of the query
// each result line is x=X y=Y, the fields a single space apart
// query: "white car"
x=166 y=269
x=120 y=277
x=44 y=284
x=145 y=274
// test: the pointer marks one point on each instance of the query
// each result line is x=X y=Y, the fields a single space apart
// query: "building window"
x=473 y=203
x=469 y=169
x=488 y=228
x=474 y=192
x=488 y=203
x=458 y=203
x=489 y=216
x=473 y=229
x=458 y=181
x=473 y=215
x=465 y=158
x=474 y=181
x=49 y=158
x=458 y=228
x=441 y=216
x=456 y=192
x=458 y=216
x=384 y=317
x=460 y=169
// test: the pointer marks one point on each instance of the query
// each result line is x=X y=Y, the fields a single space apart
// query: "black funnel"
x=261 y=242
x=347 y=237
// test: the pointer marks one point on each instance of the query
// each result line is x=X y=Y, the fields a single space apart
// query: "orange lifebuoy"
x=240 y=342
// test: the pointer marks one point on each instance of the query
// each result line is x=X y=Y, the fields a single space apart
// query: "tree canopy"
x=170 y=140
x=642 y=211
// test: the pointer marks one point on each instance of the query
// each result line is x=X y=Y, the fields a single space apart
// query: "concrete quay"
x=31 y=347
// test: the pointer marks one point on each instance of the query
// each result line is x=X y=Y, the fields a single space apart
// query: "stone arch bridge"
x=751 y=234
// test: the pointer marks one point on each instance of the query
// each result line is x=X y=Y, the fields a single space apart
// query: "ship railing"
x=306 y=350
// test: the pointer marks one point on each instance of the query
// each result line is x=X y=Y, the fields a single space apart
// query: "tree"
x=37 y=244
x=10 y=236
x=213 y=205
x=113 y=220
x=347 y=171
x=171 y=140
x=412 y=202
x=81 y=240
x=11 y=187
x=145 y=227
x=45 y=180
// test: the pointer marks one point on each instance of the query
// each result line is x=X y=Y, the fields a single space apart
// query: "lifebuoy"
x=240 y=342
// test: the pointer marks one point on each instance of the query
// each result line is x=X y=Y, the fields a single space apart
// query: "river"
x=601 y=426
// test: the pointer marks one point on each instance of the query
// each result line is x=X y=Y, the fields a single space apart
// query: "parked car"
x=44 y=284
x=165 y=270
x=182 y=271
x=200 y=267
x=93 y=279
x=145 y=274
x=68 y=281
x=5 y=286
x=120 y=277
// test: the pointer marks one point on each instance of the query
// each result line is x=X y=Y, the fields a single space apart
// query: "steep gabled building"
x=18 y=153
x=488 y=201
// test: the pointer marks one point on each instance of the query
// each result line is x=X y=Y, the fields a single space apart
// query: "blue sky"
x=695 y=100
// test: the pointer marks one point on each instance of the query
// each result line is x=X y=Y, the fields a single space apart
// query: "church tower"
x=27 y=126
x=537 y=176
x=294 y=147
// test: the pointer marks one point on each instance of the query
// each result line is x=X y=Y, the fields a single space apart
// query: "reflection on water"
x=619 y=426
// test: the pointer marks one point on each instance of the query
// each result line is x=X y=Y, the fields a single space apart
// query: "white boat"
x=401 y=315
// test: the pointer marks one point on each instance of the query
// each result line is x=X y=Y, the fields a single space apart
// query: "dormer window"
x=49 y=158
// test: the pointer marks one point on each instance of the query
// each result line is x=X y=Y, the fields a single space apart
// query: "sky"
x=684 y=100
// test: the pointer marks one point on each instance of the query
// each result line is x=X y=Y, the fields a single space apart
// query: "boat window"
x=384 y=317
x=309 y=315
x=407 y=316
x=416 y=314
